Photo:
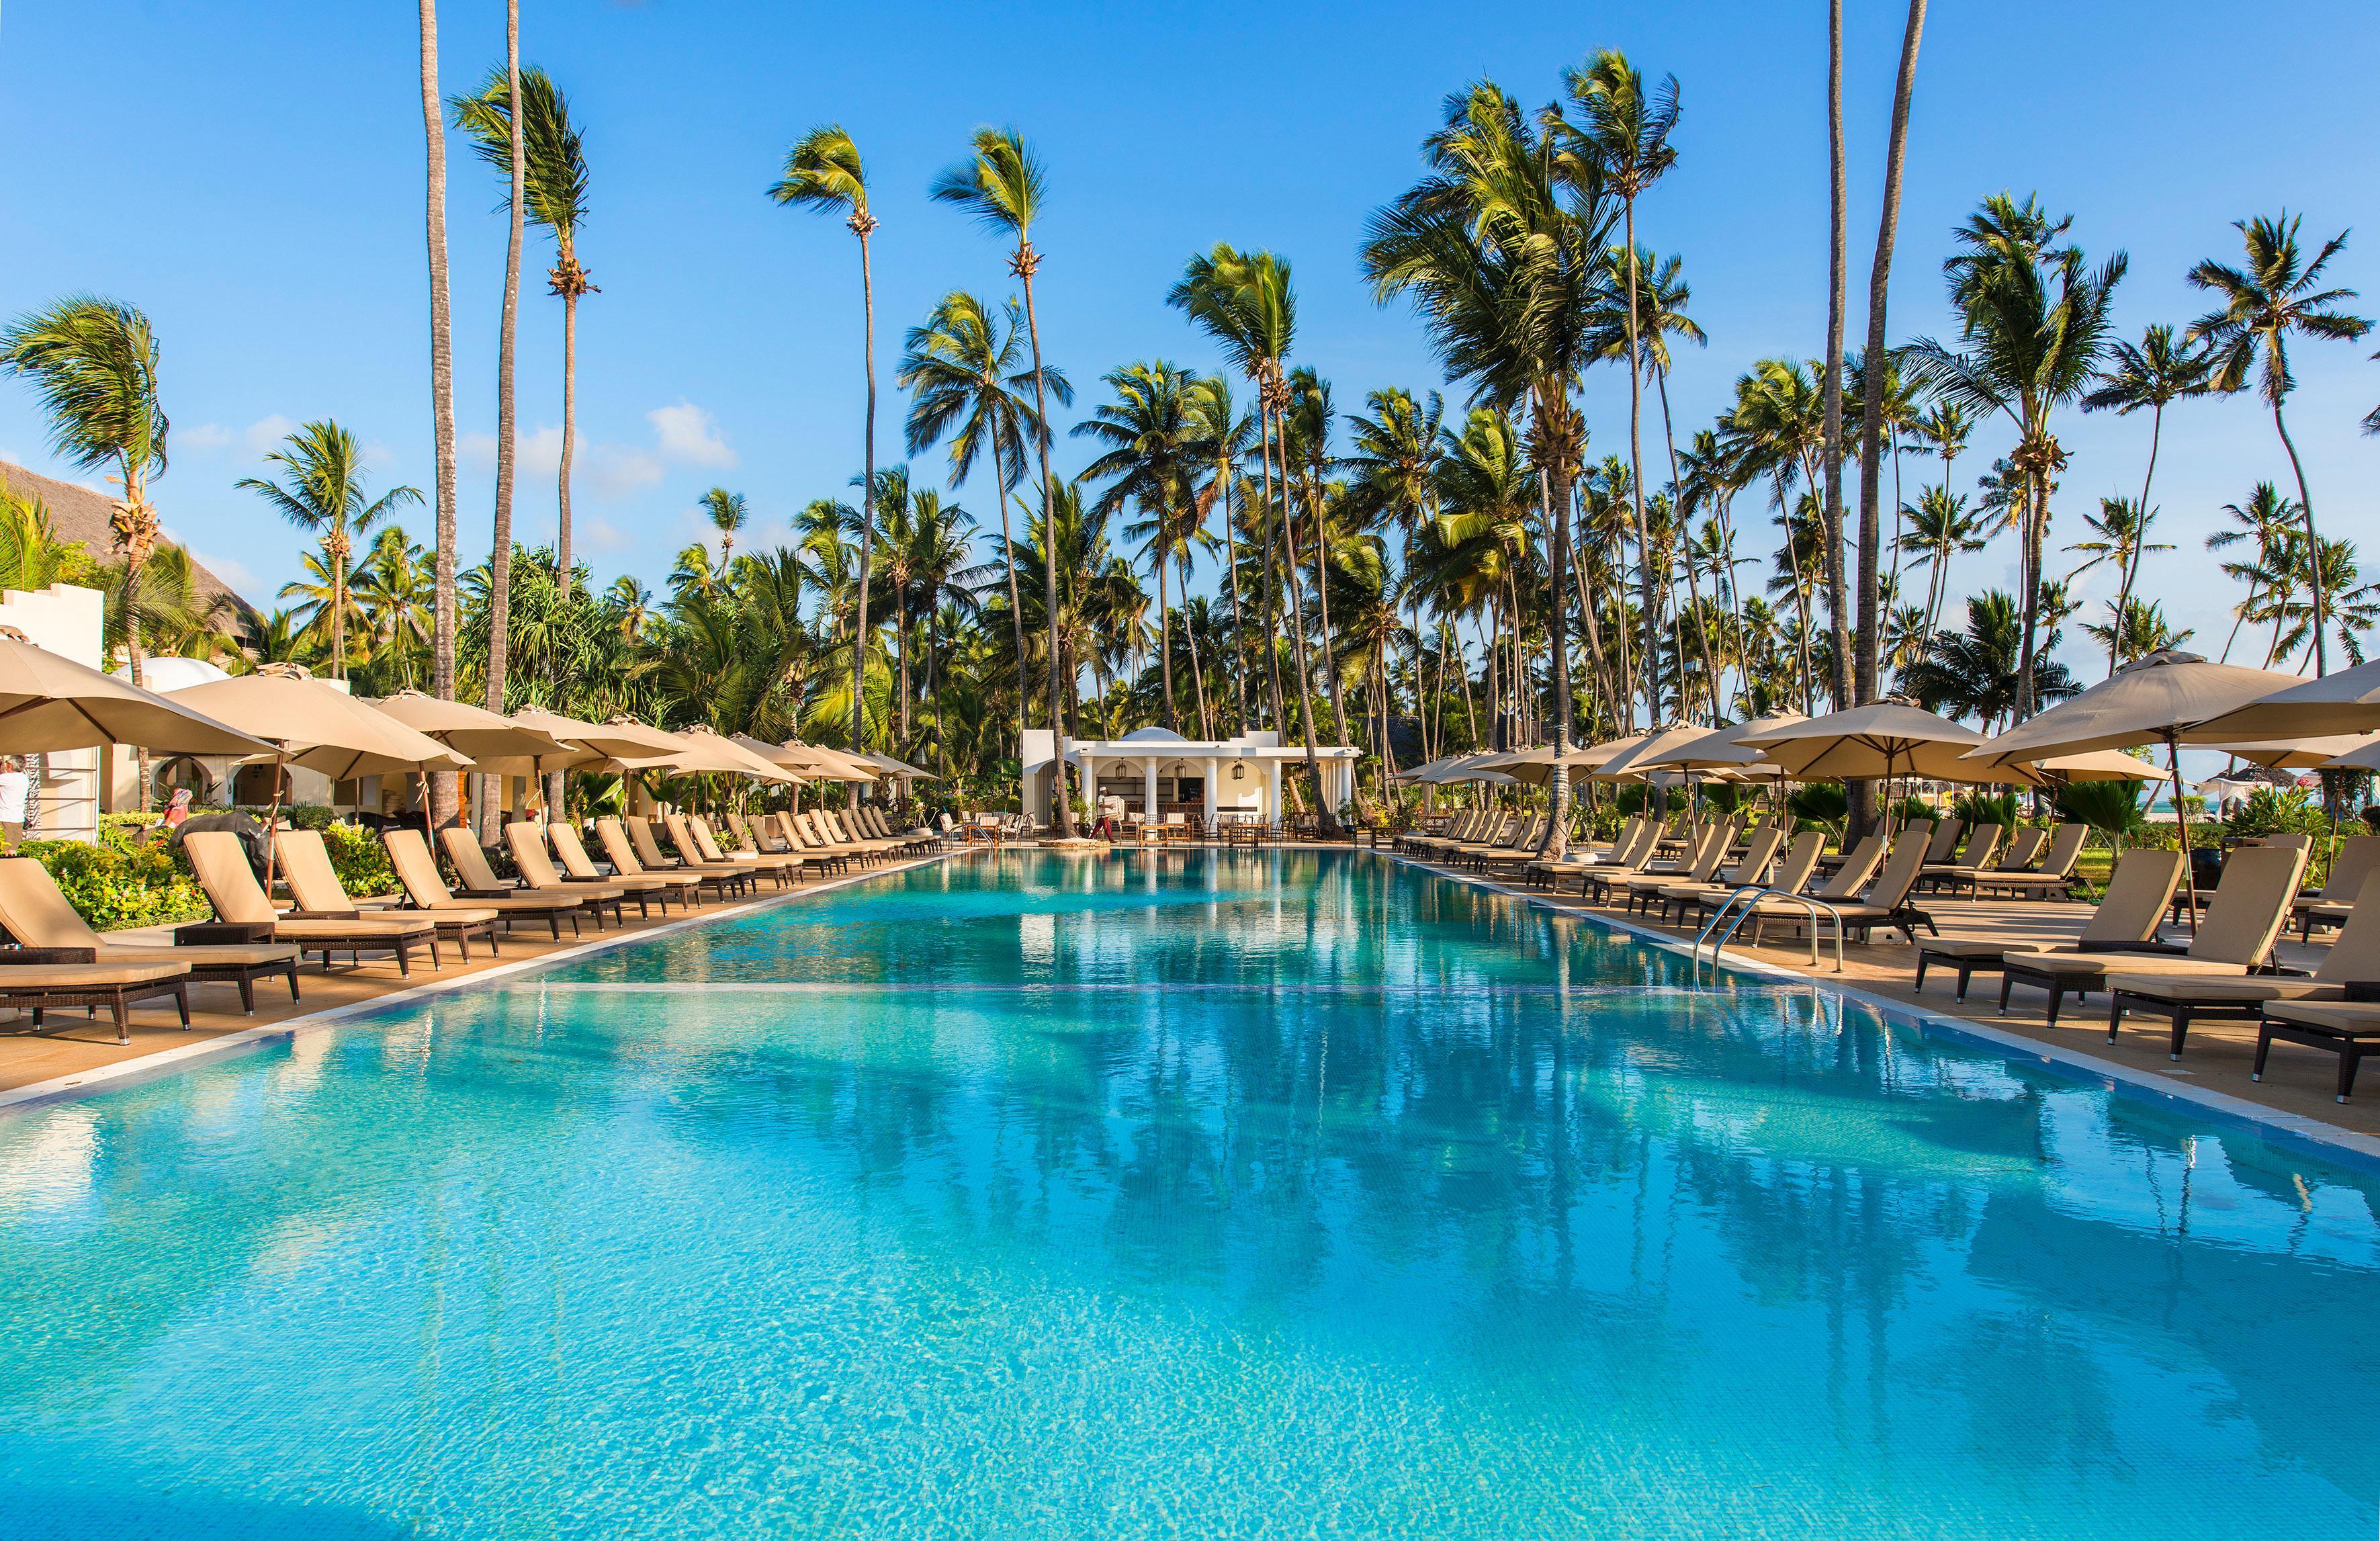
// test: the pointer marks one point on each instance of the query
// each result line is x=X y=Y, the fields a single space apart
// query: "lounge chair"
x=760 y=833
x=2138 y=892
x=576 y=868
x=2358 y=858
x=706 y=840
x=244 y=918
x=1753 y=867
x=2053 y=875
x=1791 y=875
x=516 y=901
x=628 y=861
x=426 y=892
x=1596 y=869
x=2235 y=938
x=1972 y=863
x=2349 y=1029
x=2353 y=959
x=1710 y=849
x=809 y=844
x=314 y=884
x=47 y=930
x=41 y=987
x=527 y=840
x=838 y=836
x=1886 y=902
x=720 y=880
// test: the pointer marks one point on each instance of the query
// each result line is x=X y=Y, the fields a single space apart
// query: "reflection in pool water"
x=1181 y=1193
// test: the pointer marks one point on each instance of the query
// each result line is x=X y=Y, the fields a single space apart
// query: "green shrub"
x=2111 y=808
x=2271 y=810
x=120 y=882
x=360 y=859
x=1822 y=805
x=1980 y=807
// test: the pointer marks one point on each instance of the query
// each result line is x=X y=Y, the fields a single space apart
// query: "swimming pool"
x=1187 y=1192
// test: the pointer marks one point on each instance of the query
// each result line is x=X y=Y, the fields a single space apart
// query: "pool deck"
x=73 y=1059
x=2296 y=1093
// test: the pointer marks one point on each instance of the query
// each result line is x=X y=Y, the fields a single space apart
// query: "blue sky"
x=251 y=175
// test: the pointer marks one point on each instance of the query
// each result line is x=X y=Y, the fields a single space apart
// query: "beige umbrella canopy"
x=1595 y=756
x=2296 y=754
x=2346 y=702
x=305 y=721
x=50 y=704
x=2096 y=765
x=1721 y=749
x=1880 y=740
x=2364 y=758
x=838 y=765
x=707 y=753
x=898 y=769
x=596 y=741
x=1458 y=769
x=474 y=731
x=1652 y=752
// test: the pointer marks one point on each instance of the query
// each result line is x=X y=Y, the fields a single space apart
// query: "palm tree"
x=2119 y=534
x=1152 y=461
x=1626 y=133
x=1939 y=529
x=824 y=172
x=1977 y=673
x=324 y=495
x=2268 y=519
x=2035 y=323
x=1223 y=434
x=1394 y=458
x=964 y=380
x=393 y=590
x=2161 y=370
x=2141 y=630
x=727 y=513
x=1865 y=682
x=2265 y=304
x=444 y=792
x=1002 y=185
x=501 y=142
x=92 y=363
x=1778 y=430
x=1245 y=303
x=1308 y=423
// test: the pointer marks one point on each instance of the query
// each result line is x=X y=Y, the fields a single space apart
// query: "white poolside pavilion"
x=1159 y=772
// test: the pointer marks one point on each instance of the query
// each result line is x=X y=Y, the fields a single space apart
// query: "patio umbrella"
x=2161 y=699
x=2096 y=765
x=313 y=724
x=840 y=765
x=50 y=704
x=2296 y=754
x=474 y=731
x=1881 y=740
x=707 y=752
x=897 y=769
x=1650 y=751
x=2367 y=758
x=2348 y=702
x=1720 y=748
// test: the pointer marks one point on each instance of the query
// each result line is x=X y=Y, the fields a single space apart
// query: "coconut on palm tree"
x=2266 y=304
x=322 y=492
x=728 y=512
x=1001 y=183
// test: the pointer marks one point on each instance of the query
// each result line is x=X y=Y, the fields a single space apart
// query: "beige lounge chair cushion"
x=1980 y=947
x=2098 y=966
x=2224 y=992
x=17 y=977
x=2338 y=1017
x=381 y=926
x=198 y=957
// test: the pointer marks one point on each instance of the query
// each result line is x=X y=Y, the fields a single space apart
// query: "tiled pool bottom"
x=1206 y=1193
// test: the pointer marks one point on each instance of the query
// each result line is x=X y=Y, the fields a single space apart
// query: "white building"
x=65 y=620
x=1156 y=771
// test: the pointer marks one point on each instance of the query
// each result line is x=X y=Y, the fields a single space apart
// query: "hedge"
x=122 y=881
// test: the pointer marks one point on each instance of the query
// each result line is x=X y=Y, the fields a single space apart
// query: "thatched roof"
x=80 y=516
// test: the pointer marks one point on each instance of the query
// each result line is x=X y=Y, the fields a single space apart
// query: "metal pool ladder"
x=1740 y=908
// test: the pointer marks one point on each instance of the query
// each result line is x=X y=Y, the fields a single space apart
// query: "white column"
x=1148 y=790
x=1213 y=765
x=1091 y=783
x=1272 y=791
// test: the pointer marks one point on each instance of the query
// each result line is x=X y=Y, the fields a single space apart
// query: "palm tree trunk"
x=1197 y=681
x=1322 y=600
x=1830 y=508
x=1025 y=265
x=868 y=509
x=1326 y=819
x=901 y=640
x=1270 y=639
x=2140 y=542
x=500 y=559
x=1015 y=606
x=1239 y=618
x=2036 y=526
x=1871 y=523
x=1165 y=645
x=2314 y=545
x=444 y=795
x=1651 y=618
x=1557 y=839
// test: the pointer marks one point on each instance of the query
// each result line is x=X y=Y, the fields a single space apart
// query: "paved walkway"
x=67 y=1052
x=2298 y=1081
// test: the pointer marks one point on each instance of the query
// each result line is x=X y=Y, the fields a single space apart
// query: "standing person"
x=13 y=785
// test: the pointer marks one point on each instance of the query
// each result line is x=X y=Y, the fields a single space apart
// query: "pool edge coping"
x=163 y=1061
x=2330 y=1141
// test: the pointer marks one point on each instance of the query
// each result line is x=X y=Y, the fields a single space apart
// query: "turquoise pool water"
x=1193 y=1194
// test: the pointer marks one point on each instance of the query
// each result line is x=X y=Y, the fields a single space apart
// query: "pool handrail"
x=1742 y=908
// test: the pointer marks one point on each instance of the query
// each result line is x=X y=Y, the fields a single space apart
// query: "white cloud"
x=614 y=472
x=233 y=573
x=690 y=436
x=602 y=535
x=206 y=436
x=267 y=433
x=533 y=453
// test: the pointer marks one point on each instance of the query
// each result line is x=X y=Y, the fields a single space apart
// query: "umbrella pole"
x=2181 y=821
x=272 y=817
